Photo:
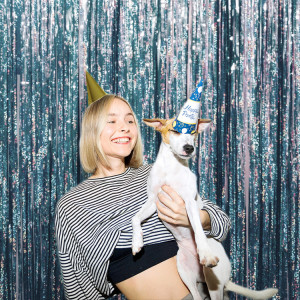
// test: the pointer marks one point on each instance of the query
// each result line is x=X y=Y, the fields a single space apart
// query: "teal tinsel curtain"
x=153 y=53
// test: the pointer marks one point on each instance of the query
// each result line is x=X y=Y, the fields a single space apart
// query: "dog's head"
x=182 y=145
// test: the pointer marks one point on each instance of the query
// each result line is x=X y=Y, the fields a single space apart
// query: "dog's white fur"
x=197 y=253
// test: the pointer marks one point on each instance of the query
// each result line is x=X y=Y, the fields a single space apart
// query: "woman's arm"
x=77 y=280
x=214 y=221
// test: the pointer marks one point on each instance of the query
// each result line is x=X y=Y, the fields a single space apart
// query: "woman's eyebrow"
x=114 y=114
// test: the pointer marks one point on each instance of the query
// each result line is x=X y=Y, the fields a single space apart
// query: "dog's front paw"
x=137 y=242
x=207 y=259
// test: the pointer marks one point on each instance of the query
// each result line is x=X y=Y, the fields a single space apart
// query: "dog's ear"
x=203 y=124
x=157 y=124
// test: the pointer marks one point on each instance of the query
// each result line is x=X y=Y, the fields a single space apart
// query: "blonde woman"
x=93 y=220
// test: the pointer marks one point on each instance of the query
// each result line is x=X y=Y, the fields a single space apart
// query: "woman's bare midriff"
x=160 y=282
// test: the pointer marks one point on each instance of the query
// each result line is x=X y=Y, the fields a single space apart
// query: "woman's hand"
x=173 y=209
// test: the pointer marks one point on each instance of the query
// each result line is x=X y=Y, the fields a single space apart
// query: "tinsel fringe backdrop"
x=153 y=53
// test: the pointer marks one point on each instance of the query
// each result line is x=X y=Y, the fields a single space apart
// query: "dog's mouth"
x=185 y=155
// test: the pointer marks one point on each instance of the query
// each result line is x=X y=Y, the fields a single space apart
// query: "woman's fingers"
x=165 y=214
x=164 y=211
x=171 y=207
x=169 y=203
x=172 y=194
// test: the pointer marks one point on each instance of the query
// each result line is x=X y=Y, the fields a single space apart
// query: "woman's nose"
x=124 y=127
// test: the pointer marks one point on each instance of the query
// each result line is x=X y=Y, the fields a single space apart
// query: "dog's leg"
x=205 y=254
x=225 y=295
x=215 y=288
x=147 y=210
x=186 y=263
x=217 y=277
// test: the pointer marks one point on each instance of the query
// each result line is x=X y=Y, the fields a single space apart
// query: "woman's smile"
x=121 y=140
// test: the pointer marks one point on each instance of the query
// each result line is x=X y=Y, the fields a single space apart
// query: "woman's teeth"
x=121 y=140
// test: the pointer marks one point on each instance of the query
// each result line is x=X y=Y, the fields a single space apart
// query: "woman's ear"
x=203 y=124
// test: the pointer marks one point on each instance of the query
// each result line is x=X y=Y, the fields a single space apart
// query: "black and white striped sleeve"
x=77 y=281
x=220 y=222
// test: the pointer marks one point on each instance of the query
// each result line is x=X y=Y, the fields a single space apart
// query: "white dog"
x=171 y=168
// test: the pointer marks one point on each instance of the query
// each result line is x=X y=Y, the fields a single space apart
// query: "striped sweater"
x=95 y=217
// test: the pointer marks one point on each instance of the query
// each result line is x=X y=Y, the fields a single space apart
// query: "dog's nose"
x=188 y=149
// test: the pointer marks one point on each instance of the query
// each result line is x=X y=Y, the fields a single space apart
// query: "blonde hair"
x=93 y=123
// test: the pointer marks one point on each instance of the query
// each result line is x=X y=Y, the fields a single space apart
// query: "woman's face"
x=119 y=135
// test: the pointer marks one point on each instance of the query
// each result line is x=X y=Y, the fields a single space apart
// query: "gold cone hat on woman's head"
x=95 y=91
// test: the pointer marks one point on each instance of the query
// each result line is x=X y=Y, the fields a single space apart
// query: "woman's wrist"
x=205 y=220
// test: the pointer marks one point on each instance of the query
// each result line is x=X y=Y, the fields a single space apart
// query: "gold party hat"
x=95 y=91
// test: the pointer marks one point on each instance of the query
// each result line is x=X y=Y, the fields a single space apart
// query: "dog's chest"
x=176 y=176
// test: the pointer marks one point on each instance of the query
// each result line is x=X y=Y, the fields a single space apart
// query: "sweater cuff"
x=215 y=228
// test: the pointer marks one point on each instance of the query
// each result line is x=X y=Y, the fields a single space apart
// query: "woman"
x=93 y=220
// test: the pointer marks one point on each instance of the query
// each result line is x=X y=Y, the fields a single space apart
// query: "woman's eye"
x=111 y=122
x=130 y=121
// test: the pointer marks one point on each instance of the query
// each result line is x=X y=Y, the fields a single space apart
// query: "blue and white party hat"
x=187 y=119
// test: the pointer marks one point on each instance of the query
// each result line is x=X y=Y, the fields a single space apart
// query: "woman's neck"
x=116 y=169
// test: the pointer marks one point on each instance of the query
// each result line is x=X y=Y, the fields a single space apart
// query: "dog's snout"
x=188 y=149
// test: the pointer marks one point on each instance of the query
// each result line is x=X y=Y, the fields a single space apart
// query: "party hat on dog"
x=95 y=91
x=187 y=119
